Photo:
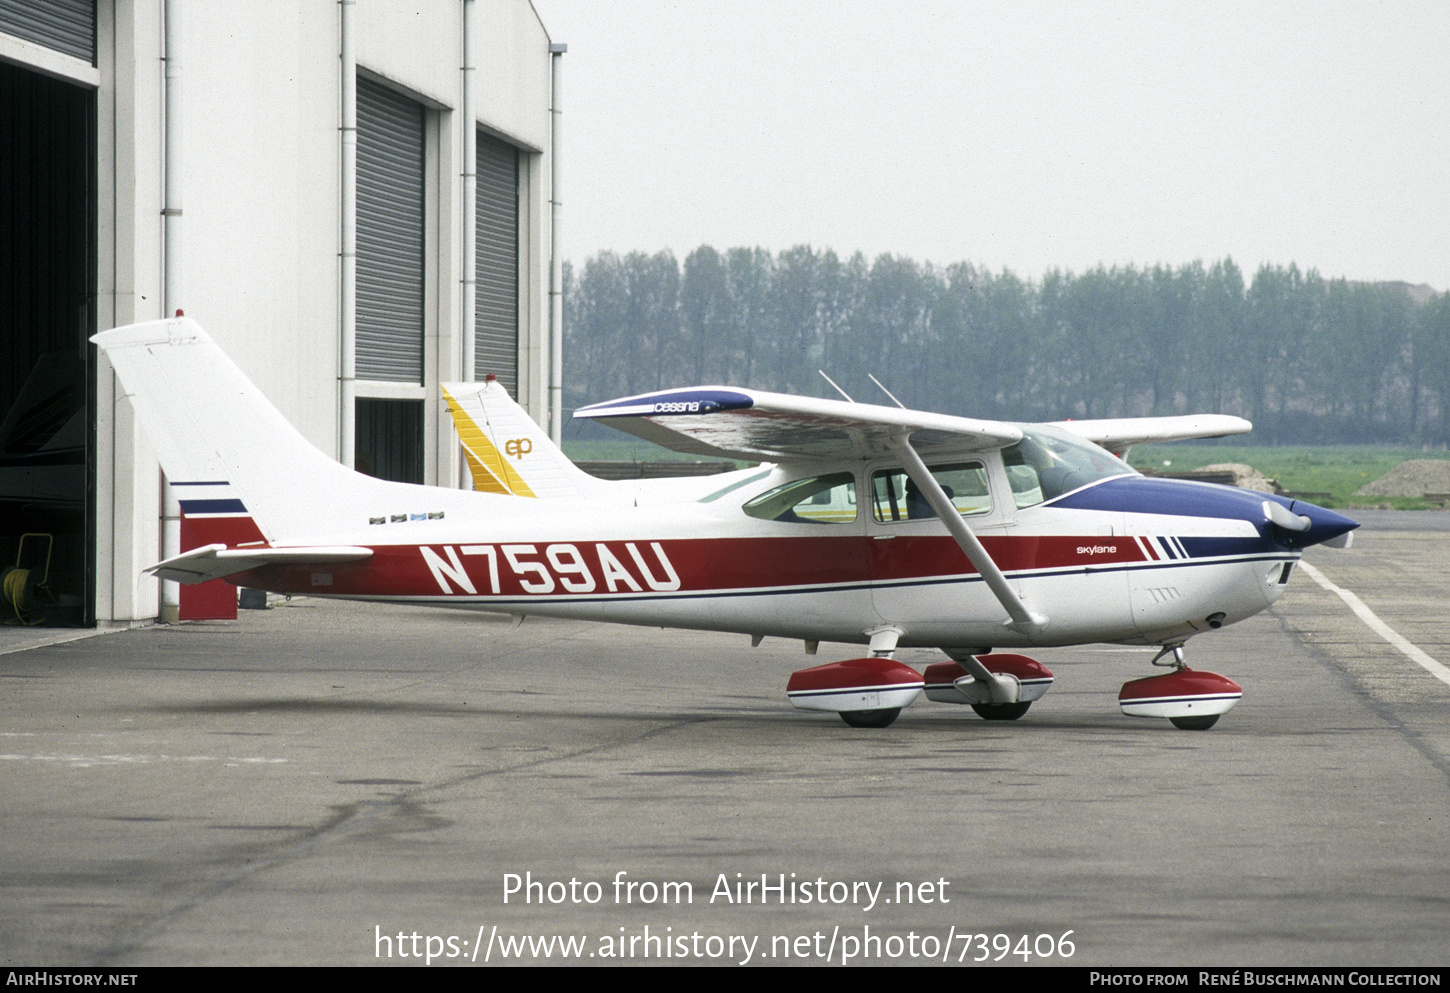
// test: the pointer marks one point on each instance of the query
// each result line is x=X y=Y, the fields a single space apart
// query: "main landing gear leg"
x=999 y=686
x=1193 y=700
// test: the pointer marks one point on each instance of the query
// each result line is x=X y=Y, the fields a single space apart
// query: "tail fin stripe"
x=194 y=507
x=483 y=480
x=483 y=454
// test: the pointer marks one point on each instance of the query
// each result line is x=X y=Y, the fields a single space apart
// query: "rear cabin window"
x=829 y=499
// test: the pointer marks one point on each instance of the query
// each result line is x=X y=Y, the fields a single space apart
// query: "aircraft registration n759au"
x=872 y=525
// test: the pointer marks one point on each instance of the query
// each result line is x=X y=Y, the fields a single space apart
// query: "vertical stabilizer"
x=506 y=451
x=230 y=454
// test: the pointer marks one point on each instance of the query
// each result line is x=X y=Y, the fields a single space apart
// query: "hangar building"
x=354 y=197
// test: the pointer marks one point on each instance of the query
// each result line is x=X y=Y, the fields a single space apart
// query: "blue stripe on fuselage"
x=1203 y=548
x=1187 y=498
x=1170 y=497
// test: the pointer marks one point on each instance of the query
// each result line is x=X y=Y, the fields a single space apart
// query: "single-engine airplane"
x=874 y=525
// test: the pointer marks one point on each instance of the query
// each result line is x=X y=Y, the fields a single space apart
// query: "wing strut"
x=1023 y=620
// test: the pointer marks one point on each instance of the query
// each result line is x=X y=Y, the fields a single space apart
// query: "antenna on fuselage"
x=837 y=388
x=886 y=391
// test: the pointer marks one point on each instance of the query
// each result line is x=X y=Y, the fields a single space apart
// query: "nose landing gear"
x=1192 y=699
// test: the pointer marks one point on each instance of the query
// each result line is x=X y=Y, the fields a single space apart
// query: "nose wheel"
x=1192 y=700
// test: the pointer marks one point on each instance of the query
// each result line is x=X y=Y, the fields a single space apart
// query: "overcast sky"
x=1017 y=134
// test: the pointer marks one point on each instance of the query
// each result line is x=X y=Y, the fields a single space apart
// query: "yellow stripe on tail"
x=491 y=471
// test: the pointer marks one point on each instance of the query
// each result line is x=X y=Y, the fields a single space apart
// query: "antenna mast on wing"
x=837 y=388
x=886 y=391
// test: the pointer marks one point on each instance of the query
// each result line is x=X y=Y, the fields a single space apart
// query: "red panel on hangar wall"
x=213 y=601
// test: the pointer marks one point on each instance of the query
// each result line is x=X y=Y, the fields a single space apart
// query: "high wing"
x=716 y=420
x=734 y=423
x=1121 y=433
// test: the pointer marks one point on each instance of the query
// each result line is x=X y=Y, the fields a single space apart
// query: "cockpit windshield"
x=1049 y=462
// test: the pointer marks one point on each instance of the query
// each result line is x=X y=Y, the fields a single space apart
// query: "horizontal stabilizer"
x=210 y=562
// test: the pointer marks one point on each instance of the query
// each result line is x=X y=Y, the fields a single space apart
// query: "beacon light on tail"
x=870 y=525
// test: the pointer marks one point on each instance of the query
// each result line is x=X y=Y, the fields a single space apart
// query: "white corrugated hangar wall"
x=345 y=285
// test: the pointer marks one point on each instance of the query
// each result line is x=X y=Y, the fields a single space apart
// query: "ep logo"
x=518 y=447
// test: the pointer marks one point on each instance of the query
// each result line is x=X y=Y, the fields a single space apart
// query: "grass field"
x=1338 y=470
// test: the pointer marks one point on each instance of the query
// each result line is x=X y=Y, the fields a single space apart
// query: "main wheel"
x=870 y=718
x=1195 y=723
x=1001 y=711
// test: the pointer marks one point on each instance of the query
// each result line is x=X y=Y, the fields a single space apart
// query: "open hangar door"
x=47 y=313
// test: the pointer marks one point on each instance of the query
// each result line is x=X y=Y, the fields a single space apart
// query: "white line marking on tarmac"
x=1379 y=627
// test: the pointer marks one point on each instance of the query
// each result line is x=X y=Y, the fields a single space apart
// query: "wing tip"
x=690 y=400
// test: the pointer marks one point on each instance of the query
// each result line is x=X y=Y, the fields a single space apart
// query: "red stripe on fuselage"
x=912 y=557
x=684 y=566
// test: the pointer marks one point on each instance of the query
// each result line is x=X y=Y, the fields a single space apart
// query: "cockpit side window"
x=829 y=499
x=1044 y=466
x=896 y=497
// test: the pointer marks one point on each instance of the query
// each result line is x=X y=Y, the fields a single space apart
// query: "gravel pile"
x=1411 y=479
x=1245 y=477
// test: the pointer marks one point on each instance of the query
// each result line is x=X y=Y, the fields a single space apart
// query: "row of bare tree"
x=1308 y=359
